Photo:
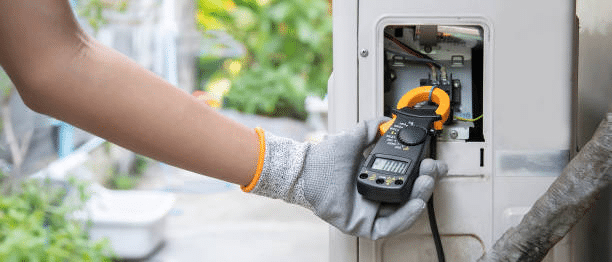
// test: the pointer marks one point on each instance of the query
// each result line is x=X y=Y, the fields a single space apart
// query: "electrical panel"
x=447 y=57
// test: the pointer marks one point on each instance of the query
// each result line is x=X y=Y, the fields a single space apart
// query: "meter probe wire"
x=434 y=229
x=432 y=215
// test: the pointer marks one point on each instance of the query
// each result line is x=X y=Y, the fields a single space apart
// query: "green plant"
x=2 y=176
x=6 y=87
x=5 y=84
x=122 y=182
x=127 y=181
x=288 y=52
x=141 y=163
x=34 y=227
x=208 y=67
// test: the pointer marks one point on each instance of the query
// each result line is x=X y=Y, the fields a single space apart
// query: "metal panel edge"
x=343 y=105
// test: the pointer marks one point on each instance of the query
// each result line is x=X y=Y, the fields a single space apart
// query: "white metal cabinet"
x=527 y=94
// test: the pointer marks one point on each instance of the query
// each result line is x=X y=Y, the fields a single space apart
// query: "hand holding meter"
x=389 y=171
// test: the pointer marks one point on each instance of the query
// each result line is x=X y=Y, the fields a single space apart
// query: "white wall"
x=159 y=35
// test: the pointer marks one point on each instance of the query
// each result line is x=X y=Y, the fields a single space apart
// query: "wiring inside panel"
x=449 y=57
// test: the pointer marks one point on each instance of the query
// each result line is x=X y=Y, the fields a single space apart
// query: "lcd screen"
x=389 y=165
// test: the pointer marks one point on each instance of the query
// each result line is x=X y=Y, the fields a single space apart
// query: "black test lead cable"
x=432 y=215
x=434 y=229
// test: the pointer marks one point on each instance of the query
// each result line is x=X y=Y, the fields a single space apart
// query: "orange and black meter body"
x=390 y=170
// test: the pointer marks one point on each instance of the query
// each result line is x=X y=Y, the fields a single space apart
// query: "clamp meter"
x=389 y=171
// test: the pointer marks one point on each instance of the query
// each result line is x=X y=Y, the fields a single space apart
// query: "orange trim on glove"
x=260 y=160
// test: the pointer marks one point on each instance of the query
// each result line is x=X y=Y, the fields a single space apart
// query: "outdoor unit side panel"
x=342 y=90
x=532 y=112
x=343 y=85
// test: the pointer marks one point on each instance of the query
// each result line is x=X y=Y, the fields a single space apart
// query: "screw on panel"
x=454 y=134
x=364 y=52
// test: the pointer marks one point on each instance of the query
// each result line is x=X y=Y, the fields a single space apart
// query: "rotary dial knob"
x=412 y=135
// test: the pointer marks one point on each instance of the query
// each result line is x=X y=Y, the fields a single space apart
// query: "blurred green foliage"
x=93 y=10
x=122 y=181
x=34 y=226
x=6 y=86
x=288 y=52
x=127 y=181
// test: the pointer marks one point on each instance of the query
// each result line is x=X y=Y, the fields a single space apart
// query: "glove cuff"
x=260 y=160
x=280 y=176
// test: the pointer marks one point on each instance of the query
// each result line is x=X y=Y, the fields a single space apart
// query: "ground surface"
x=215 y=221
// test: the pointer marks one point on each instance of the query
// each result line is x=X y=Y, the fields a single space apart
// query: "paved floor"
x=215 y=221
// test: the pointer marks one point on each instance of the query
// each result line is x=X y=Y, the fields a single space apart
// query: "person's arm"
x=60 y=71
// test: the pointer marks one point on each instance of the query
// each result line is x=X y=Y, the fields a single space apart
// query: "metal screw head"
x=453 y=134
x=364 y=52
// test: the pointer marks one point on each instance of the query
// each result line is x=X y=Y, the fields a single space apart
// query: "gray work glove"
x=321 y=177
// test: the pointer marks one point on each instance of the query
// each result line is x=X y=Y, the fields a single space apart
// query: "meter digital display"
x=389 y=165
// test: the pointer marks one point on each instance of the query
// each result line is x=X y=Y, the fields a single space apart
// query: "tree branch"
x=563 y=205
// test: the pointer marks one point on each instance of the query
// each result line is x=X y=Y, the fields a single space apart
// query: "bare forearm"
x=101 y=91
x=107 y=94
x=35 y=35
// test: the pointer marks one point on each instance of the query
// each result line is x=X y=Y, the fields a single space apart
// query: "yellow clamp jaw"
x=418 y=95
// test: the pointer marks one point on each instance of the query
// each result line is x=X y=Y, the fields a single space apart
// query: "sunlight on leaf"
x=288 y=52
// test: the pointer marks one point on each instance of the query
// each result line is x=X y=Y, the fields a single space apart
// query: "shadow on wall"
x=594 y=100
x=594 y=74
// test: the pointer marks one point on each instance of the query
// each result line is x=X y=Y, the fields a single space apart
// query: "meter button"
x=412 y=135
